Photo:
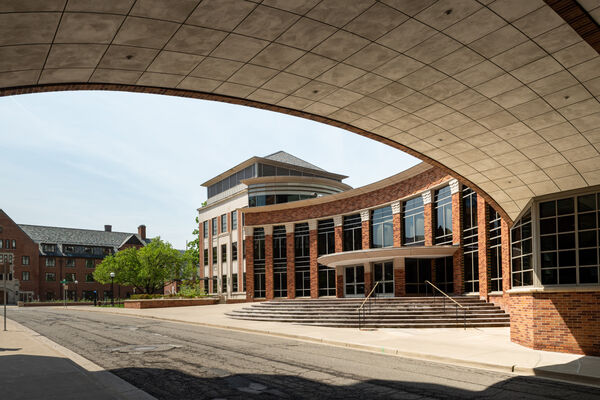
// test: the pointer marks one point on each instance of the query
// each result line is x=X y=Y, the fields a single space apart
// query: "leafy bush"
x=191 y=289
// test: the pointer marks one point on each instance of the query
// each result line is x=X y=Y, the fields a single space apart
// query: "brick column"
x=338 y=233
x=457 y=236
x=249 y=263
x=240 y=242
x=314 y=267
x=505 y=238
x=397 y=223
x=365 y=217
x=483 y=235
x=368 y=278
x=291 y=266
x=428 y=217
x=339 y=282
x=399 y=277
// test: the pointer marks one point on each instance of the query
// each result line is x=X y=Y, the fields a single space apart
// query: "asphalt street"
x=185 y=361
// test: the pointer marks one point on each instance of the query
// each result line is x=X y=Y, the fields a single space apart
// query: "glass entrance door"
x=384 y=274
x=418 y=270
x=354 y=281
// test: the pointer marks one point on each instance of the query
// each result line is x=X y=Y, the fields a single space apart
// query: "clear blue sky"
x=86 y=159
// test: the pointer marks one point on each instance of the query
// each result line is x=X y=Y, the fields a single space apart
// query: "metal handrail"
x=361 y=310
x=454 y=301
x=442 y=292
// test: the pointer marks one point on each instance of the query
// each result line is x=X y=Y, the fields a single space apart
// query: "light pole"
x=4 y=259
x=112 y=289
x=75 y=290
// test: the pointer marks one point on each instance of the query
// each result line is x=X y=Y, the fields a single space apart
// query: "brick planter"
x=163 y=303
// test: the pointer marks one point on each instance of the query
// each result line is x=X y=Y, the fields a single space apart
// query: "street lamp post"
x=75 y=282
x=112 y=289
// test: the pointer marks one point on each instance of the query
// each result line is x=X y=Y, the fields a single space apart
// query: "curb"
x=509 y=369
x=117 y=386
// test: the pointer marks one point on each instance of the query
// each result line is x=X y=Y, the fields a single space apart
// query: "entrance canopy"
x=504 y=96
x=374 y=255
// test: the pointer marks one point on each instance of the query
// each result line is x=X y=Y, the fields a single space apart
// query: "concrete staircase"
x=397 y=312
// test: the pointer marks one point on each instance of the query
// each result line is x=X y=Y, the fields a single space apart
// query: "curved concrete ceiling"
x=504 y=94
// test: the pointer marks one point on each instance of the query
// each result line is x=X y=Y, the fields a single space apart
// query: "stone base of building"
x=567 y=322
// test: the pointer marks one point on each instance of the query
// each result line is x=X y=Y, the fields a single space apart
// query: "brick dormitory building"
x=418 y=225
x=43 y=256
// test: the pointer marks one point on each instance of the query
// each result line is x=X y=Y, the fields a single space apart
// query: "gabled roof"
x=282 y=156
x=73 y=236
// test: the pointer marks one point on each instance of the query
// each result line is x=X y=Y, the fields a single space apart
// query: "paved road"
x=181 y=361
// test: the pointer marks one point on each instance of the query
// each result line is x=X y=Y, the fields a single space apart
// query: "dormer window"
x=69 y=249
x=87 y=250
x=49 y=248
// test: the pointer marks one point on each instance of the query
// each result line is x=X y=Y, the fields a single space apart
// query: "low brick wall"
x=162 y=303
x=563 y=322
x=53 y=304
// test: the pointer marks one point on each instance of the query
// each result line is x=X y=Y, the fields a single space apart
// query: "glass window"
x=205 y=256
x=89 y=277
x=521 y=252
x=259 y=262
x=89 y=263
x=214 y=226
x=70 y=277
x=214 y=255
x=352 y=229
x=302 y=259
x=414 y=222
x=279 y=261
x=25 y=276
x=70 y=262
x=470 y=241
x=223 y=253
x=326 y=281
x=443 y=215
x=50 y=277
x=50 y=262
x=234 y=282
x=326 y=237
x=14 y=244
x=224 y=223
x=382 y=227
x=495 y=251
x=569 y=233
x=205 y=229
x=25 y=260
x=444 y=274
x=233 y=220
x=234 y=251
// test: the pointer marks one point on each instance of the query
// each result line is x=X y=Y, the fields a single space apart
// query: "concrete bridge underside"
x=503 y=94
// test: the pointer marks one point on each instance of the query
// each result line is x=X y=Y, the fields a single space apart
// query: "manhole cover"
x=141 y=348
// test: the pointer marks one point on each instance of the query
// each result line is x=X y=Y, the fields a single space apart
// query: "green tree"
x=193 y=247
x=147 y=268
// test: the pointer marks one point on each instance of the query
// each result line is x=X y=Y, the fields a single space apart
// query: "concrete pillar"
x=338 y=233
x=291 y=266
x=269 y=292
x=397 y=222
x=399 y=277
x=339 y=282
x=249 y=263
x=428 y=217
x=483 y=235
x=314 y=267
x=457 y=236
x=365 y=217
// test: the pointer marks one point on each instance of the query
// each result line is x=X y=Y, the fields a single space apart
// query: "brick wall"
x=564 y=322
x=339 y=285
x=416 y=184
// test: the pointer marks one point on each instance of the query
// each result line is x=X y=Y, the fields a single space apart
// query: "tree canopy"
x=147 y=268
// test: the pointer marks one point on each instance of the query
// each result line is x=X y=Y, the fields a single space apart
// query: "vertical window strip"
x=443 y=216
x=413 y=222
x=352 y=230
x=521 y=252
x=470 y=241
x=495 y=262
x=382 y=227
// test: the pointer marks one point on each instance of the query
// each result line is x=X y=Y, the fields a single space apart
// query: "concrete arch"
x=504 y=95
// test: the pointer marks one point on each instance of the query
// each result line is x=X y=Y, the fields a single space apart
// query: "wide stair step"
x=397 y=312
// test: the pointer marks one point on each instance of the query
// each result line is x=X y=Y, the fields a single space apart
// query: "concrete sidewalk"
x=34 y=367
x=487 y=348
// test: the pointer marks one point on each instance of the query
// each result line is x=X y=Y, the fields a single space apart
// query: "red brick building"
x=43 y=256
x=423 y=225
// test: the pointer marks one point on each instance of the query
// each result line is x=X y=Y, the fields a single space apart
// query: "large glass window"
x=495 y=250
x=521 y=252
x=214 y=255
x=233 y=220
x=470 y=241
x=259 y=262
x=354 y=281
x=569 y=232
x=279 y=261
x=326 y=281
x=413 y=221
x=223 y=253
x=234 y=251
x=234 y=282
x=224 y=223
x=205 y=229
x=230 y=181
x=302 y=259
x=444 y=274
x=214 y=226
x=382 y=227
x=352 y=232
x=418 y=270
x=443 y=215
x=270 y=199
x=205 y=256
x=326 y=237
